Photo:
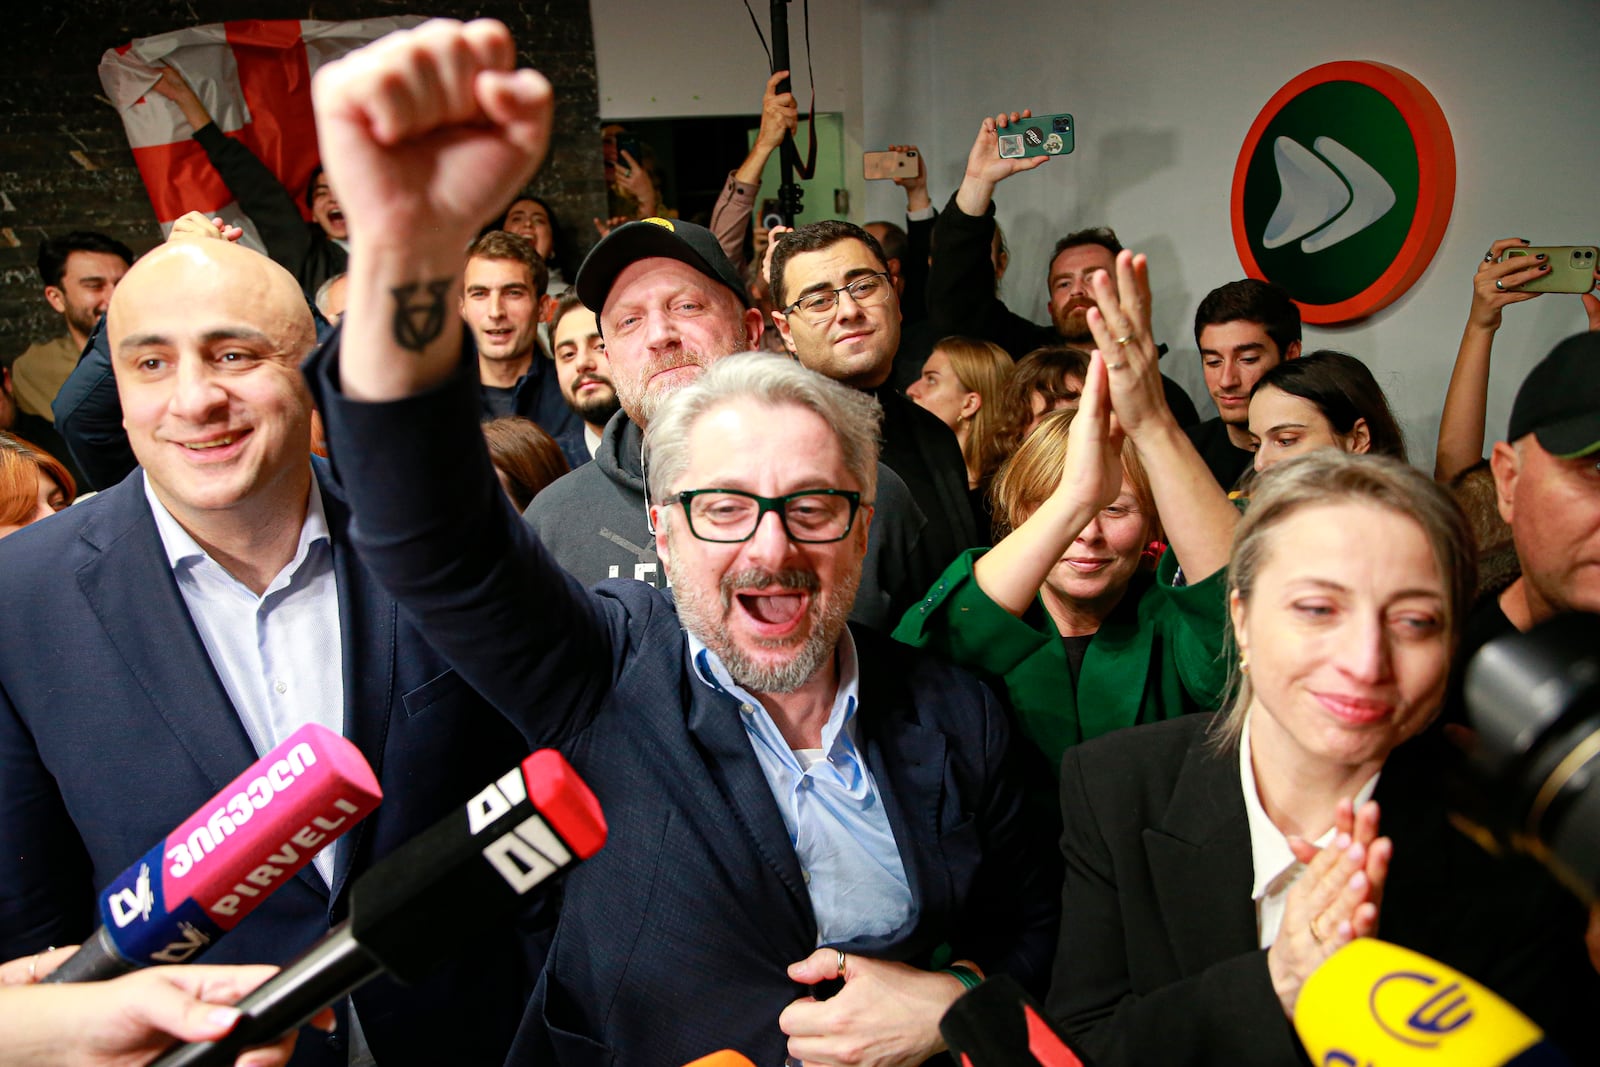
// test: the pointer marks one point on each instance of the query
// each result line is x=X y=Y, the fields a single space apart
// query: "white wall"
x=683 y=58
x=1164 y=93
x=677 y=58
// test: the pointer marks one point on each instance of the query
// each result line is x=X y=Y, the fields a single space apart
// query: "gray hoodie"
x=593 y=521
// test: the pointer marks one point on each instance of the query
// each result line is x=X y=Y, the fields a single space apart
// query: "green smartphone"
x=1571 y=268
x=1042 y=135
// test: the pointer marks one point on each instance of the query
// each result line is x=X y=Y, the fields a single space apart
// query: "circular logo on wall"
x=1343 y=189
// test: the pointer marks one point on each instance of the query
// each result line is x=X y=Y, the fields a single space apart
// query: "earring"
x=1244 y=663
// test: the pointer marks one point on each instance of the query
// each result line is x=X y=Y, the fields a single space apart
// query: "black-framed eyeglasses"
x=867 y=290
x=811 y=516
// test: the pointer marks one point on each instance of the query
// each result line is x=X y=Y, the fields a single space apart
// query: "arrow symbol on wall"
x=1329 y=194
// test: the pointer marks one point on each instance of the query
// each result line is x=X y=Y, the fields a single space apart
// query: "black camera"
x=1534 y=701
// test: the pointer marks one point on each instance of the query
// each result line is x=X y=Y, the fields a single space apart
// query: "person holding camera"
x=730 y=218
x=964 y=273
x=1496 y=284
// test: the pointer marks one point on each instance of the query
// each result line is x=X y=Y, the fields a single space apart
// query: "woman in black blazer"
x=1195 y=904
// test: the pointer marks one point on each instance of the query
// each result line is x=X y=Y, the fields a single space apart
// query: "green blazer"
x=1157 y=656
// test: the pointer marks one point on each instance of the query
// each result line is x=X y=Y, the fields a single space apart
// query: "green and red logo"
x=1343 y=189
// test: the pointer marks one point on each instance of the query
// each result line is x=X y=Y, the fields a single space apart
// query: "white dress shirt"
x=1275 y=866
x=279 y=655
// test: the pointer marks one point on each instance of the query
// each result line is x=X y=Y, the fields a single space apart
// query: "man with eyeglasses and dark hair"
x=791 y=800
x=839 y=315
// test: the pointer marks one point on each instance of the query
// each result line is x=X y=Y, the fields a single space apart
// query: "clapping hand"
x=1334 y=901
x=1120 y=322
x=1092 y=474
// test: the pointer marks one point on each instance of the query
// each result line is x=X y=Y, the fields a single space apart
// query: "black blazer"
x=114 y=727
x=673 y=940
x=1158 y=960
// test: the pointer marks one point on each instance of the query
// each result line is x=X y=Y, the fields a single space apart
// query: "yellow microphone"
x=1373 y=1003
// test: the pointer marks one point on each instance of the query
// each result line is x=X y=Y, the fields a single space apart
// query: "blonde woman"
x=1213 y=862
x=963 y=382
x=1075 y=610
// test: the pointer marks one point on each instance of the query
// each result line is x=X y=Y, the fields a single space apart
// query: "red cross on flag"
x=254 y=78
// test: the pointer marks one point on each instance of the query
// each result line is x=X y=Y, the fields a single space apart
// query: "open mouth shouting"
x=773 y=605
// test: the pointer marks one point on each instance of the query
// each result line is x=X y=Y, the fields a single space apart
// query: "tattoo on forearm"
x=418 y=322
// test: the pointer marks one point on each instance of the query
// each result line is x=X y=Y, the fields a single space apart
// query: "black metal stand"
x=789 y=191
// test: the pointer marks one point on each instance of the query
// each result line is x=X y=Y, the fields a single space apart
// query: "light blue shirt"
x=831 y=807
x=279 y=655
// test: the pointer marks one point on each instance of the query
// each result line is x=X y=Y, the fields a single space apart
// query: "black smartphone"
x=629 y=143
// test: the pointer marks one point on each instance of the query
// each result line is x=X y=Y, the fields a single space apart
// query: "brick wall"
x=65 y=162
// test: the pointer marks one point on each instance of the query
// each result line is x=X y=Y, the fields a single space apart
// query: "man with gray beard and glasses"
x=791 y=800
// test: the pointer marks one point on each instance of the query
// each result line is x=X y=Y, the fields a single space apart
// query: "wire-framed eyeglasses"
x=810 y=516
x=867 y=290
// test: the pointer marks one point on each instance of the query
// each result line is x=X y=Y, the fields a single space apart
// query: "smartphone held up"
x=889 y=165
x=1041 y=135
x=1571 y=270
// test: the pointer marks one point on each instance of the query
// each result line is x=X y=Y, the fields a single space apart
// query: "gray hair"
x=774 y=381
x=1333 y=476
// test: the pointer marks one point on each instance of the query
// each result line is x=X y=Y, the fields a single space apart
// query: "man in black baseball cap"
x=1559 y=402
x=1547 y=476
x=669 y=304
x=654 y=238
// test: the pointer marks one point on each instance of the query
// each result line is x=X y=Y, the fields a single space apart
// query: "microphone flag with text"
x=461 y=878
x=241 y=846
x=1376 y=1003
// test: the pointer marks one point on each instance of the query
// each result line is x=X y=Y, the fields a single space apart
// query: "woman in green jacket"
x=1068 y=610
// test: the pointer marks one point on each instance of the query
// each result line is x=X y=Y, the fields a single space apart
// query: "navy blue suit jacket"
x=673 y=941
x=114 y=727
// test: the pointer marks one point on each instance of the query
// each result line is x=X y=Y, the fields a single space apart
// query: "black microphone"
x=243 y=844
x=461 y=877
x=996 y=1024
